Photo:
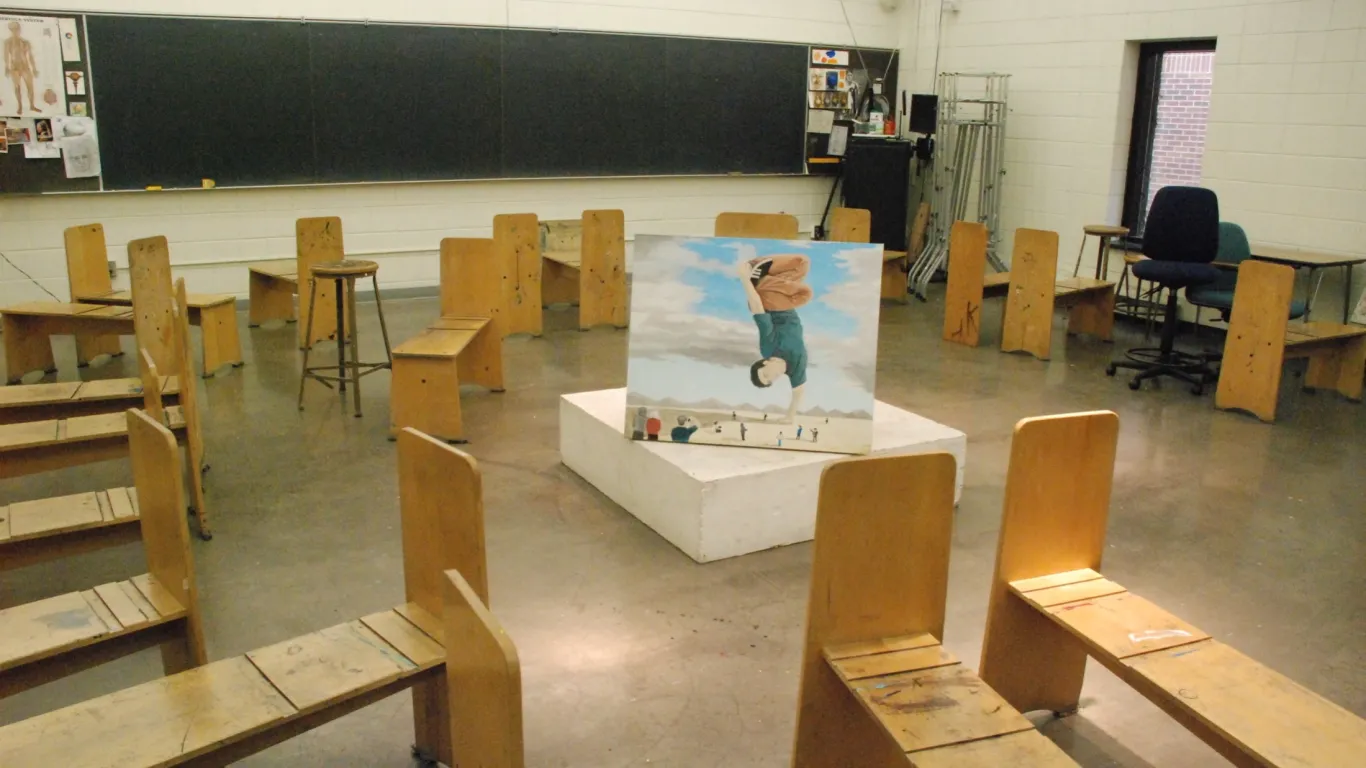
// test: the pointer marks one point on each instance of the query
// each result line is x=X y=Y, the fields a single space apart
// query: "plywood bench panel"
x=1025 y=749
x=38 y=402
x=1262 y=711
x=1119 y=625
x=436 y=343
x=341 y=661
x=430 y=367
x=164 y=722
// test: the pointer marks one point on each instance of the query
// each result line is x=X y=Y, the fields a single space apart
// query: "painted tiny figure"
x=774 y=288
x=815 y=434
x=652 y=427
x=684 y=431
x=743 y=430
x=638 y=424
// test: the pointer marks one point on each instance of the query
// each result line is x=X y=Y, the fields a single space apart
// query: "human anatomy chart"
x=34 y=77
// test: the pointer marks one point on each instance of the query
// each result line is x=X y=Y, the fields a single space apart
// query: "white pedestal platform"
x=715 y=502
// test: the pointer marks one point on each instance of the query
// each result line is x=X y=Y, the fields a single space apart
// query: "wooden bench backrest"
x=851 y=225
x=472 y=281
x=441 y=508
x=1028 y=323
x=157 y=473
x=770 y=226
x=485 y=675
x=963 y=297
x=87 y=261
x=602 y=297
x=517 y=252
x=1057 y=501
x=317 y=240
x=1254 y=350
x=149 y=263
x=880 y=569
x=189 y=394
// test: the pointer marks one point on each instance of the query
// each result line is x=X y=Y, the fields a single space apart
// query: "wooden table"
x=1314 y=261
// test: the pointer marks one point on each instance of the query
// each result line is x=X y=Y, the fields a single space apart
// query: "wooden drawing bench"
x=464 y=344
x=1261 y=338
x=1032 y=289
x=877 y=687
x=89 y=283
x=1051 y=608
x=467 y=704
x=59 y=636
x=273 y=284
x=585 y=264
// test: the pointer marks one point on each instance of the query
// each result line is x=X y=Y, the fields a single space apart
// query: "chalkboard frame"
x=794 y=167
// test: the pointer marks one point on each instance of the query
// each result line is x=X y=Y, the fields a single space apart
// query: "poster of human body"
x=34 y=75
x=753 y=343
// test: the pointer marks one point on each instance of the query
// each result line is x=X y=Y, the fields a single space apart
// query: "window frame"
x=1143 y=130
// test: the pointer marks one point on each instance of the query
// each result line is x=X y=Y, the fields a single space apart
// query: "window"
x=1171 y=111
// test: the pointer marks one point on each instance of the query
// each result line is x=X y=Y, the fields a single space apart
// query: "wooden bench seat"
x=47 y=529
x=64 y=399
x=1261 y=338
x=429 y=368
x=877 y=687
x=584 y=263
x=42 y=446
x=271 y=288
x=1032 y=290
x=468 y=704
x=52 y=638
x=1051 y=608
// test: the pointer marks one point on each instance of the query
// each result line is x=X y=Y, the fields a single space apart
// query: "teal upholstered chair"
x=1233 y=250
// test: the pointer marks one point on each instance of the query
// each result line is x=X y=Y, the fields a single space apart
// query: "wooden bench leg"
x=425 y=395
x=559 y=283
x=270 y=299
x=27 y=348
x=894 y=280
x=481 y=362
x=1094 y=314
x=90 y=346
x=218 y=332
x=1339 y=368
x=1056 y=505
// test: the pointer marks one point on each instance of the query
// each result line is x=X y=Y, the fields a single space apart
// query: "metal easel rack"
x=968 y=159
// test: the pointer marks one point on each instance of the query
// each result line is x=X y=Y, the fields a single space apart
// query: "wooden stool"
x=1106 y=233
x=344 y=273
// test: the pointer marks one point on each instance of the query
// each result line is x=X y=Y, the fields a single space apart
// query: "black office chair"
x=1180 y=239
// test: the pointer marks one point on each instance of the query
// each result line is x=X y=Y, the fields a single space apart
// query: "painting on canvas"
x=753 y=343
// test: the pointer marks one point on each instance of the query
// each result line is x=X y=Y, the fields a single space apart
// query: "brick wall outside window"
x=1182 y=114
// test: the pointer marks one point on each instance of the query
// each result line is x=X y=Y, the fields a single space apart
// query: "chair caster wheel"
x=1110 y=369
x=1198 y=390
x=1135 y=384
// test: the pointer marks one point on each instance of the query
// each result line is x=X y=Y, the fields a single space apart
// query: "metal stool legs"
x=347 y=371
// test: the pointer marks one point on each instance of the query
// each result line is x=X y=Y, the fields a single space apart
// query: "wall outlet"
x=113 y=269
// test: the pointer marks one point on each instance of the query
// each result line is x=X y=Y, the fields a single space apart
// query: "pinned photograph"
x=42 y=129
x=753 y=343
x=33 y=66
x=19 y=131
x=77 y=109
x=4 y=138
x=75 y=83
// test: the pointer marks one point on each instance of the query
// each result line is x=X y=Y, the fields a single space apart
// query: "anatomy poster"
x=34 y=75
x=753 y=343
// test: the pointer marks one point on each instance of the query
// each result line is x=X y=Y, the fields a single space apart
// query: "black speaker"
x=924 y=109
x=877 y=177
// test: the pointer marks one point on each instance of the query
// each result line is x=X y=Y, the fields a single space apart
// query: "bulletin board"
x=47 y=58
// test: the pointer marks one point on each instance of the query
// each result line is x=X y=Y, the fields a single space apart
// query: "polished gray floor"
x=633 y=654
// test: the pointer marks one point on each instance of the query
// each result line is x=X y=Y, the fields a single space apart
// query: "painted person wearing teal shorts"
x=775 y=286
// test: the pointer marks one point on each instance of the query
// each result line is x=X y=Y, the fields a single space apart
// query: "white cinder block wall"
x=1286 y=149
x=213 y=233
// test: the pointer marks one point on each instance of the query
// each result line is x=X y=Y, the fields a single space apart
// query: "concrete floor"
x=632 y=654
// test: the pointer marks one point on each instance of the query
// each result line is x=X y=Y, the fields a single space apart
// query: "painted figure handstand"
x=775 y=287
